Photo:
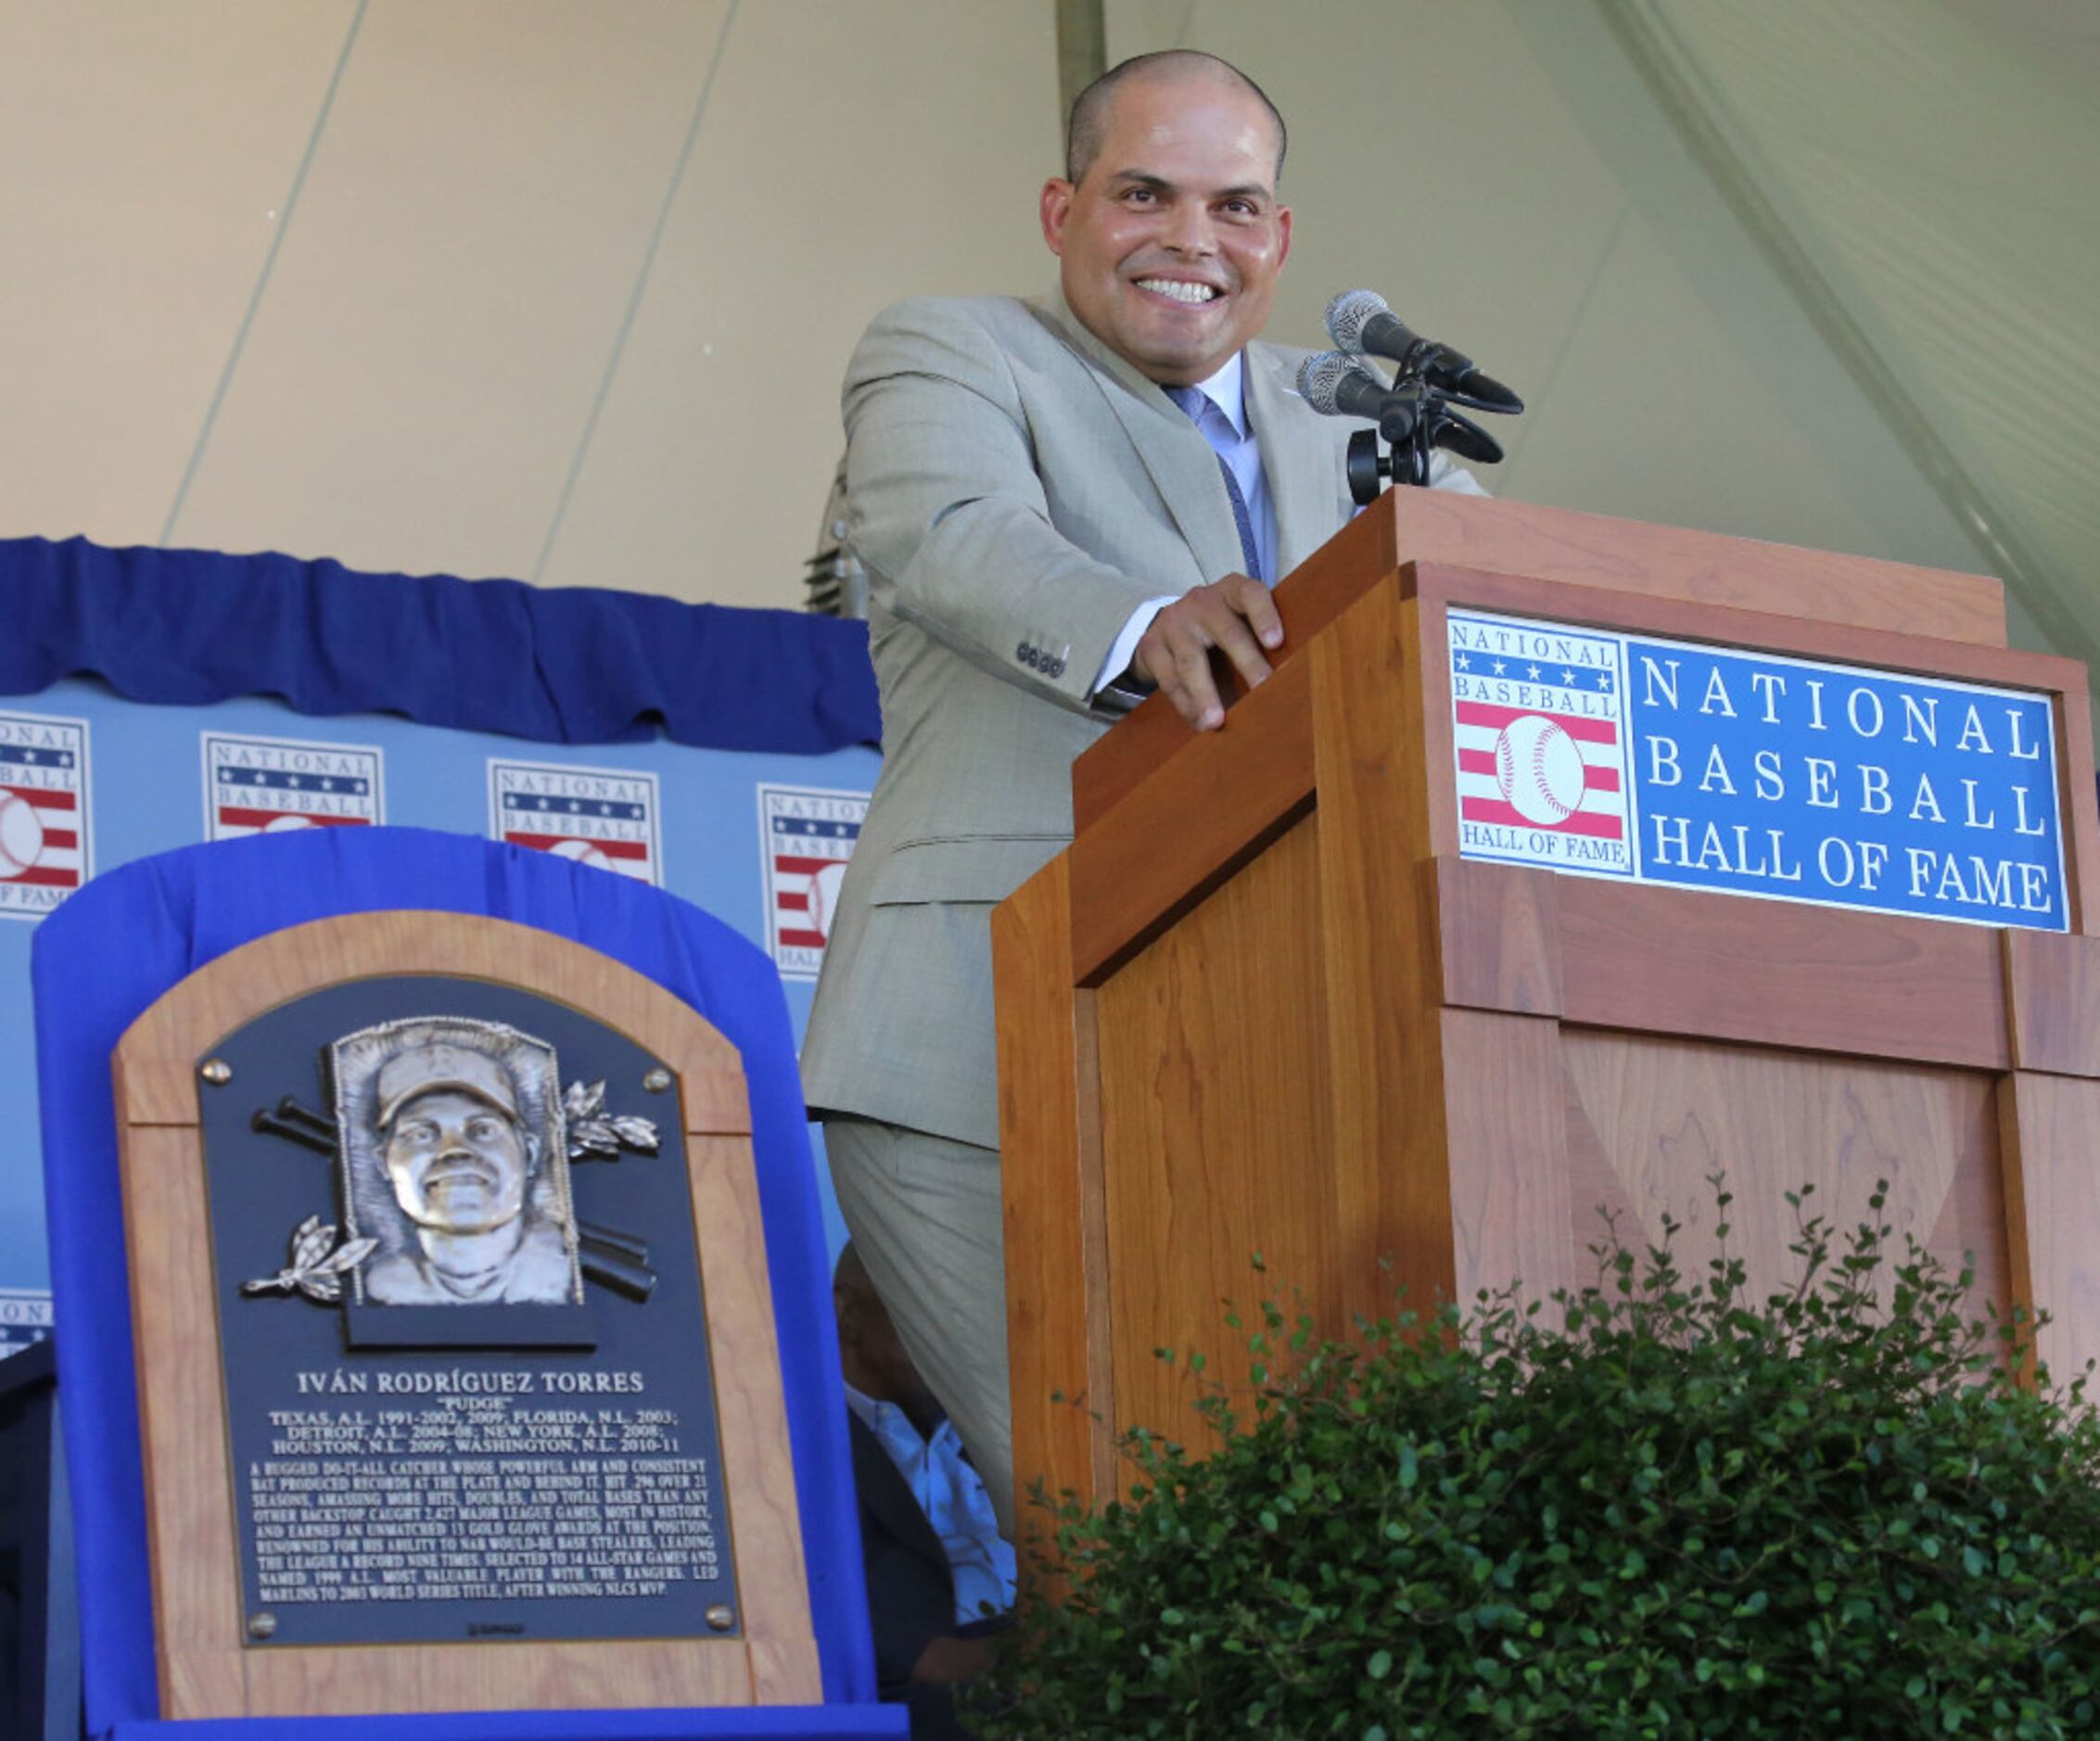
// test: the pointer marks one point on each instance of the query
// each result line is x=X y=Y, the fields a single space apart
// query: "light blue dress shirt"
x=1224 y=426
x=952 y=1495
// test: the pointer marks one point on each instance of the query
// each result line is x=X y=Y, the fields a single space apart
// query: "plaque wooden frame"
x=206 y=1669
x=1262 y=1004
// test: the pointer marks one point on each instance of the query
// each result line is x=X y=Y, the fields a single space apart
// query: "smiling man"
x=462 y=1164
x=1060 y=504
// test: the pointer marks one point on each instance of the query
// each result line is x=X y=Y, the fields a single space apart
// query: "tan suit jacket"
x=1015 y=491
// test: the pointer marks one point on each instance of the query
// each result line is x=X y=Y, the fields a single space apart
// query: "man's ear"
x=1056 y=208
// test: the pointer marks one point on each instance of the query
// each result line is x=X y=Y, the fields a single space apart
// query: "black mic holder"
x=1414 y=419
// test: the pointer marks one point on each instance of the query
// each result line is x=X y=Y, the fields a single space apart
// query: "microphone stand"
x=1407 y=418
x=1413 y=417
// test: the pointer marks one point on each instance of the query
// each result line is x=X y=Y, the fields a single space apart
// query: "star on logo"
x=1462 y=661
x=1499 y=667
x=1567 y=676
x=1603 y=681
x=1534 y=673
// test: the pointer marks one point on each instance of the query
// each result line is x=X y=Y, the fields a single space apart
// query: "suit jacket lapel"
x=1180 y=462
x=1304 y=485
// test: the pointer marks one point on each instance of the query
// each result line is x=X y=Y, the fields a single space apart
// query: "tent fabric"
x=575 y=665
x=112 y=949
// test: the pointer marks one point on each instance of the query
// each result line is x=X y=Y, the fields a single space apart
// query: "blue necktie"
x=1192 y=400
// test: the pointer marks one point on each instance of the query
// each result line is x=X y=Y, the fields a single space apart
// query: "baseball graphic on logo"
x=583 y=851
x=1539 y=770
x=823 y=897
x=21 y=835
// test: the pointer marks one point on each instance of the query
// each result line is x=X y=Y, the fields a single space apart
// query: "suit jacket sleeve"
x=950 y=517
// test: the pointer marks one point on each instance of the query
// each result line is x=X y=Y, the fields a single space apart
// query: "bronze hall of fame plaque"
x=469 y=1388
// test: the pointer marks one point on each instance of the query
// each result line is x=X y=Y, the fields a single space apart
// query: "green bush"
x=1682 y=1513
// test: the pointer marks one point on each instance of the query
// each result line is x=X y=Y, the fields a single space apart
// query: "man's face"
x=458 y=1165
x=1171 y=241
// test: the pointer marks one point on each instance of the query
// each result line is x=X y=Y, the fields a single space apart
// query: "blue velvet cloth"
x=112 y=949
x=564 y=665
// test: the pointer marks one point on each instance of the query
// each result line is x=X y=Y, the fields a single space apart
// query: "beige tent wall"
x=561 y=289
x=554 y=289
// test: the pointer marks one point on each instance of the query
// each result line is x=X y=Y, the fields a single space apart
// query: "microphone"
x=1342 y=387
x=1359 y=321
x=1337 y=386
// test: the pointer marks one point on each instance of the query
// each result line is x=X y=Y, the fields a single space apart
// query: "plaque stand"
x=168 y=1634
x=207 y=1669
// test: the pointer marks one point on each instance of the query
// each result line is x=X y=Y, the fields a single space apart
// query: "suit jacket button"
x=1021 y=652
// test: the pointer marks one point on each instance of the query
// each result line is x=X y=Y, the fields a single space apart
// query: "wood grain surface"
x=1060 y=1373
x=206 y=1671
x=1670 y=1115
x=1417 y=528
x=1666 y=562
x=1214 y=1131
x=2052 y=1189
x=2052 y=991
x=1527 y=942
x=1189 y=825
x=1462 y=1066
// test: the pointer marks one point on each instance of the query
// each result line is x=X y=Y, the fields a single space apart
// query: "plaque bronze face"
x=465 y=1398
x=480 y=1306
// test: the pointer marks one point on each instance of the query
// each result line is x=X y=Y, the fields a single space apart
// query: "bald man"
x=1061 y=504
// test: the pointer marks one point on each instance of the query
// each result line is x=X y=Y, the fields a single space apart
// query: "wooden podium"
x=1264 y=1005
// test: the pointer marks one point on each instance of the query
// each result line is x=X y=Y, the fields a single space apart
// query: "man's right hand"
x=1235 y=615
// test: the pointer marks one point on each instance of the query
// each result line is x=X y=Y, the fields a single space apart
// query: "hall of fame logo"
x=44 y=850
x=806 y=837
x=269 y=785
x=25 y=1319
x=1740 y=770
x=603 y=817
x=1538 y=729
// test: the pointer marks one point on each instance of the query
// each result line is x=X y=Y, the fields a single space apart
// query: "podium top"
x=1521 y=538
x=1408 y=528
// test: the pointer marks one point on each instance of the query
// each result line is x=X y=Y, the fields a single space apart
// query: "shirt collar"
x=1227 y=389
x=872 y=1413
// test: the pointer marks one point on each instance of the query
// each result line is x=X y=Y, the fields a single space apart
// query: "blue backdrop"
x=153 y=699
x=110 y=952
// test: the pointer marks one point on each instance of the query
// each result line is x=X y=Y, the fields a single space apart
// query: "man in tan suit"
x=1046 y=533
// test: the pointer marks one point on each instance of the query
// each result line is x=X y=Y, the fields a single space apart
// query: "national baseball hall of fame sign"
x=1619 y=755
x=470 y=1393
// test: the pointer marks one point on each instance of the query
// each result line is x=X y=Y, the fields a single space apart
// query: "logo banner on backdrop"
x=806 y=836
x=44 y=812
x=257 y=785
x=604 y=817
x=1743 y=773
x=25 y=1317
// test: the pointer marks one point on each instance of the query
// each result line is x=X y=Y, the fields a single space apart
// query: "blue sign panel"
x=1754 y=773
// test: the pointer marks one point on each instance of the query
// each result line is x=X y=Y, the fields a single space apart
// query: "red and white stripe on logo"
x=1564 y=778
x=40 y=841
